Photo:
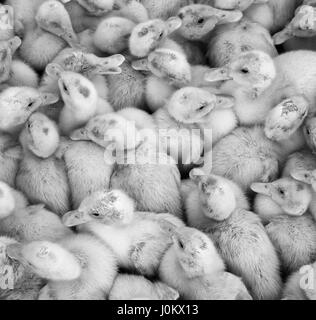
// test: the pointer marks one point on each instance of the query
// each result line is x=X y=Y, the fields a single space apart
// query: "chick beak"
x=261 y=188
x=75 y=218
x=80 y=135
x=218 y=74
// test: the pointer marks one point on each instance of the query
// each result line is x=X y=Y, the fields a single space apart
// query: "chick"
x=194 y=267
x=41 y=176
x=18 y=282
x=79 y=267
x=81 y=99
x=199 y=20
x=283 y=196
x=239 y=236
x=153 y=34
x=48 y=34
x=18 y=103
x=137 y=239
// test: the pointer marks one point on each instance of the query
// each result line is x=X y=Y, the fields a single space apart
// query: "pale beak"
x=75 y=218
x=218 y=74
x=261 y=188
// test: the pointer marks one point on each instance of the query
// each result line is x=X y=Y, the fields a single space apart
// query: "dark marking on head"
x=300 y=187
x=46 y=130
x=84 y=91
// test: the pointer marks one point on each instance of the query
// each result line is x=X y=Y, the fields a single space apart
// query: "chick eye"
x=244 y=70
x=161 y=35
x=308 y=131
x=201 y=21
x=65 y=88
x=96 y=214
x=181 y=245
x=281 y=192
x=30 y=104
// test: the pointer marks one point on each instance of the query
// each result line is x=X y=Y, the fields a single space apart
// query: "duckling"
x=228 y=41
x=131 y=287
x=80 y=97
x=188 y=112
x=166 y=64
x=6 y=22
x=20 y=282
x=112 y=34
x=295 y=240
x=34 y=223
x=204 y=109
x=41 y=176
x=223 y=204
x=193 y=266
x=272 y=14
x=170 y=70
x=260 y=83
x=7 y=51
x=137 y=239
x=296 y=287
x=126 y=88
x=240 y=237
x=283 y=196
x=18 y=103
x=245 y=156
x=153 y=34
x=87 y=64
x=88 y=168
x=302 y=26
x=48 y=35
x=79 y=267
x=198 y=20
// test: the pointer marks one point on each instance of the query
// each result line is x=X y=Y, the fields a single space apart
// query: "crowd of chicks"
x=74 y=226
